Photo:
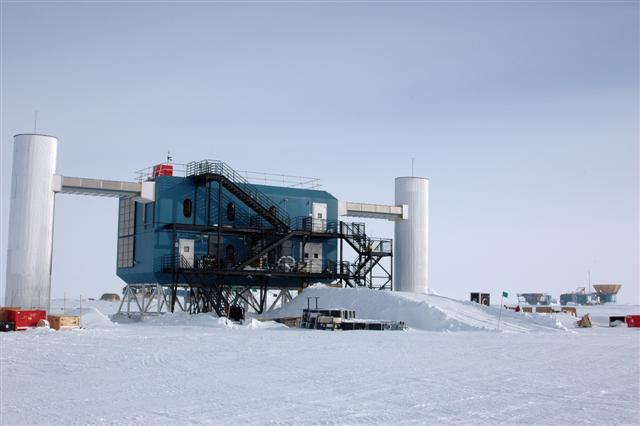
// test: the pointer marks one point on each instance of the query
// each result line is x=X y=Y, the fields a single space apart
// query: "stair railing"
x=198 y=168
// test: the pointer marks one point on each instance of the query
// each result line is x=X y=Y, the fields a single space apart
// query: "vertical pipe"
x=391 y=275
x=341 y=256
x=219 y=221
x=30 y=242
x=208 y=184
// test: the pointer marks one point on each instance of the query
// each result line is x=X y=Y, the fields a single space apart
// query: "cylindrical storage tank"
x=28 y=283
x=411 y=243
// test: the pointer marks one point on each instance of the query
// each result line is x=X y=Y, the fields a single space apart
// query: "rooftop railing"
x=258 y=178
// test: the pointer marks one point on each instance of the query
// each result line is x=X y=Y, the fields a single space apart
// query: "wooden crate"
x=4 y=311
x=58 y=322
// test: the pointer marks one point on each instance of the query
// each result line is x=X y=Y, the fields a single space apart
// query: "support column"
x=28 y=280
x=411 y=245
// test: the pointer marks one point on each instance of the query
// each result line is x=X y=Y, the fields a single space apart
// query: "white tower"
x=28 y=283
x=411 y=243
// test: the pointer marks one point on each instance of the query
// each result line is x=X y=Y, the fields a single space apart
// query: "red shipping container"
x=163 y=170
x=633 y=320
x=26 y=318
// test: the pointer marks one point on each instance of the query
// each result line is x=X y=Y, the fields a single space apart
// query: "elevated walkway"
x=372 y=211
x=104 y=188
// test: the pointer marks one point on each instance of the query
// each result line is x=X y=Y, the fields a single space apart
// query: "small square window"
x=186 y=249
x=315 y=255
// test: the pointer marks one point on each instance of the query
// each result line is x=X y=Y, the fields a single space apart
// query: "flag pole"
x=501 y=307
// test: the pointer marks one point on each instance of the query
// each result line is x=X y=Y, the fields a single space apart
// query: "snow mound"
x=204 y=320
x=91 y=318
x=176 y=319
x=420 y=311
x=256 y=324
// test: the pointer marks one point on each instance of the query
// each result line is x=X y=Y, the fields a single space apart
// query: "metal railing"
x=147 y=173
x=354 y=230
x=198 y=168
x=260 y=178
x=287 y=181
x=312 y=224
x=380 y=245
x=171 y=262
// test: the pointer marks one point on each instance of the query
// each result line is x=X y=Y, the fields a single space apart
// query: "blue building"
x=216 y=235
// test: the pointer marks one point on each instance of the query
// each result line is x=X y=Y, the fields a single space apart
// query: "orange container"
x=163 y=170
x=26 y=318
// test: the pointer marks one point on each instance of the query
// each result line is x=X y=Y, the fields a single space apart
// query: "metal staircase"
x=204 y=296
x=237 y=185
x=370 y=251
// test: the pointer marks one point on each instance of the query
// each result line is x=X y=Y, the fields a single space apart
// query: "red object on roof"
x=162 y=170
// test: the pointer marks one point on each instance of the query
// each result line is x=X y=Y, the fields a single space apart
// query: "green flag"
x=505 y=294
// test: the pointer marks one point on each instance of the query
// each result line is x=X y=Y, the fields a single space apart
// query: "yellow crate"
x=63 y=321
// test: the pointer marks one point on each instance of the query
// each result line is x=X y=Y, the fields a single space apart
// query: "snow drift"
x=419 y=311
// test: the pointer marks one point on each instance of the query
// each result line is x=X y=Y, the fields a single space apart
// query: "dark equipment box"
x=615 y=320
x=482 y=298
x=7 y=326
x=236 y=313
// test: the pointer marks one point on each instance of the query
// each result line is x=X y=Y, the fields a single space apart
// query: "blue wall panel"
x=152 y=241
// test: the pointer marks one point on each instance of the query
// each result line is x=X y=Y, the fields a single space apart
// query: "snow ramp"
x=418 y=311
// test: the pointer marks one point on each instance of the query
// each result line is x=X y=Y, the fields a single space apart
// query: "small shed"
x=110 y=297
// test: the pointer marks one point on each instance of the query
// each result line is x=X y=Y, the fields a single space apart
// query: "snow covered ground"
x=451 y=367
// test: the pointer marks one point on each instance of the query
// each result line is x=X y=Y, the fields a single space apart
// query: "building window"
x=187 y=208
x=126 y=231
x=231 y=212
x=125 y=252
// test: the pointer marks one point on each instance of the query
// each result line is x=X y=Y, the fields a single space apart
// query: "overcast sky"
x=524 y=116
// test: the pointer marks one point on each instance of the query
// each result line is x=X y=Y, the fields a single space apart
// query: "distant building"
x=534 y=299
x=604 y=293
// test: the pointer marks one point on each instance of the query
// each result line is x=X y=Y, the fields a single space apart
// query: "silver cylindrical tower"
x=411 y=242
x=28 y=283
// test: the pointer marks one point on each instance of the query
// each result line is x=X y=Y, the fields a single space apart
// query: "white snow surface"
x=451 y=367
